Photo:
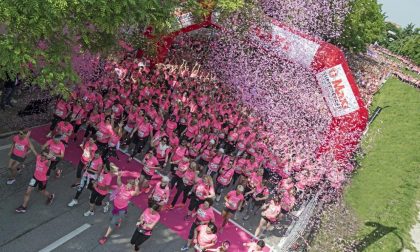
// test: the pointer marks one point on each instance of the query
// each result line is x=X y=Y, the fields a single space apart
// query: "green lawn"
x=387 y=185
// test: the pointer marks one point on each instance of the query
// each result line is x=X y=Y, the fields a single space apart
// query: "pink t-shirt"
x=88 y=151
x=144 y=130
x=225 y=176
x=61 y=109
x=203 y=238
x=272 y=211
x=215 y=163
x=41 y=169
x=205 y=215
x=104 y=132
x=253 y=247
x=182 y=168
x=150 y=162
x=202 y=191
x=95 y=164
x=189 y=177
x=122 y=197
x=66 y=129
x=104 y=180
x=233 y=200
x=149 y=219
x=180 y=152
x=21 y=146
x=160 y=194
x=56 y=148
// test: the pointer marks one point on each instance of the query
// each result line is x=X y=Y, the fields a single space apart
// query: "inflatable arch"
x=325 y=60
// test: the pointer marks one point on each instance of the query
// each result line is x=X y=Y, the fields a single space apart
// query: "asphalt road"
x=57 y=225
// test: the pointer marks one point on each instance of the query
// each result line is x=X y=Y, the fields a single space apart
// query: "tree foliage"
x=364 y=25
x=45 y=33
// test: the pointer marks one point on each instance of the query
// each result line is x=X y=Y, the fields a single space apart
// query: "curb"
x=10 y=133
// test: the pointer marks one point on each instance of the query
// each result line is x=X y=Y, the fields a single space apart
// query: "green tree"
x=43 y=33
x=364 y=25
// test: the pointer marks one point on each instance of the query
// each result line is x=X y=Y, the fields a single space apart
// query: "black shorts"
x=17 y=158
x=42 y=185
x=96 y=198
x=138 y=238
x=284 y=211
x=146 y=176
x=228 y=210
x=268 y=221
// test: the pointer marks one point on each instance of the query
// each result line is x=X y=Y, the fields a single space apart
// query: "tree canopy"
x=364 y=25
x=46 y=33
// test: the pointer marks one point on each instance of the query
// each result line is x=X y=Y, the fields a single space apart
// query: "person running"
x=269 y=215
x=255 y=246
x=89 y=149
x=205 y=237
x=224 y=178
x=100 y=189
x=56 y=149
x=39 y=180
x=61 y=112
x=203 y=189
x=121 y=197
x=144 y=226
x=205 y=215
x=233 y=202
x=150 y=165
x=160 y=193
x=18 y=152
x=91 y=172
x=259 y=196
x=185 y=183
x=222 y=248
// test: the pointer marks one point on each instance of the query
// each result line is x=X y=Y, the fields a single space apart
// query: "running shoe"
x=106 y=207
x=75 y=185
x=50 y=199
x=10 y=181
x=72 y=203
x=58 y=173
x=21 y=209
x=103 y=240
x=89 y=213
x=185 y=248
x=49 y=135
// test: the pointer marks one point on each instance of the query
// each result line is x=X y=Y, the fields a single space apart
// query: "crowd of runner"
x=187 y=133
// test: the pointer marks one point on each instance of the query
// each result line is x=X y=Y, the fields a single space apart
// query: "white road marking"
x=5 y=147
x=65 y=238
x=242 y=228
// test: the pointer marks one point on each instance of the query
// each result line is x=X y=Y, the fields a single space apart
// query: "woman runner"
x=147 y=221
x=18 y=152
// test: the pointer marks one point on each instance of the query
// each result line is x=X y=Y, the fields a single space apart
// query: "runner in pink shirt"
x=144 y=131
x=78 y=116
x=120 y=197
x=150 y=165
x=39 y=180
x=178 y=154
x=62 y=111
x=145 y=224
x=88 y=151
x=100 y=189
x=271 y=212
x=65 y=129
x=91 y=124
x=259 y=196
x=233 y=201
x=18 y=152
x=205 y=215
x=104 y=132
x=184 y=183
x=205 y=237
x=56 y=149
x=160 y=193
x=224 y=179
x=215 y=163
x=203 y=189
x=90 y=174
x=255 y=246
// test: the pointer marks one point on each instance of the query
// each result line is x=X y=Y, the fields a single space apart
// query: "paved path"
x=44 y=225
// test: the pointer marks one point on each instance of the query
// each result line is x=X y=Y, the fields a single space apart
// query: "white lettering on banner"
x=186 y=19
x=337 y=91
x=286 y=44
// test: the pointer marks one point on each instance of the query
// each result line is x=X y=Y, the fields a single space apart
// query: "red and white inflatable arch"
x=325 y=60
